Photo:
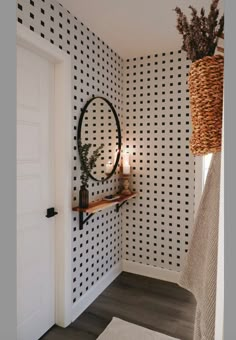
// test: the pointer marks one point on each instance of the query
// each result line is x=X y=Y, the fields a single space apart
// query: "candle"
x=126 y=169
x=108 y=167
x=126 y=157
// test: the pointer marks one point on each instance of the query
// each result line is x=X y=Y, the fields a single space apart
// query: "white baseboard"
x=150 y=271
x=126 y=266
x=97 y=289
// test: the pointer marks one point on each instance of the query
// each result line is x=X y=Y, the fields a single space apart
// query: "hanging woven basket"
x=206 y=102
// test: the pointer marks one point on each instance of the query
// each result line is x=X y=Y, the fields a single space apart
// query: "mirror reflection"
x=99 y=124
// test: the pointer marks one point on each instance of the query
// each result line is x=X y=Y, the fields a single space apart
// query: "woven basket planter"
x=206 y=102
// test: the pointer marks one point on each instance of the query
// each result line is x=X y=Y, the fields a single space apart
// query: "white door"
x=35 y=193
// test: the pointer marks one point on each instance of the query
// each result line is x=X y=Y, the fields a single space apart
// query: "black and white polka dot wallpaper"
x=157 y=225
x=151 y=98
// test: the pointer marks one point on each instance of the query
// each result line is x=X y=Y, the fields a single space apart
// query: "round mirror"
x=99 y=126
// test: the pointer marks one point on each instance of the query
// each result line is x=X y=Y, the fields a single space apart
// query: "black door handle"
x=51 y=212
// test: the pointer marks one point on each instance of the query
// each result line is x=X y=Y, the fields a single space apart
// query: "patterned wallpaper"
x=96 y=70
x=157 y=225
x=151 y=97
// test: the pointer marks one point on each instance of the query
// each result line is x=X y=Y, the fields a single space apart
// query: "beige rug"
x=122 y=330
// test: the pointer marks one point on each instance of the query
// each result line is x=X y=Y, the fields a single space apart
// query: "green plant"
x=201 y=34
x=87 y=163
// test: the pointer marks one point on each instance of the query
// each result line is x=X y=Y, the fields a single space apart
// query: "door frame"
x=62 y=120
x=198 y=186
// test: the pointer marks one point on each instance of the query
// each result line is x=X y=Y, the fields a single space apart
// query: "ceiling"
x=135 y=27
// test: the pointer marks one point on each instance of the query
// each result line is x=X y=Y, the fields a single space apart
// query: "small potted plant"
x=200 y=37
x=87 y=163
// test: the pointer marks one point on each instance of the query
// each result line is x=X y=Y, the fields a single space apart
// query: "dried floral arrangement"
x=87 y=163
x=201 y=34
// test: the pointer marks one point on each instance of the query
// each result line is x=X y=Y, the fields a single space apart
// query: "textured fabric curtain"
x=199 y=274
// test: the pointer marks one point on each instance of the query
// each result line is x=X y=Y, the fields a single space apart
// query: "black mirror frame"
x=83 y=111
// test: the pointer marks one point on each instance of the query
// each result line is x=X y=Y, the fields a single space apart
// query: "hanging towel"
x=200 y=270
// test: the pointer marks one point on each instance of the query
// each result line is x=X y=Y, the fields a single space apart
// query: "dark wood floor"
x=158 y=305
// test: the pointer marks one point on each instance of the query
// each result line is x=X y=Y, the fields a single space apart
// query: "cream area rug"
x=122 y=330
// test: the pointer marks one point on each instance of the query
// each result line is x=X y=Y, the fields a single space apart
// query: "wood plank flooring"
x=158 y=305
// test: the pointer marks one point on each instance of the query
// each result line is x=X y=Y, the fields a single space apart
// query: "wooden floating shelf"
x=101 y=205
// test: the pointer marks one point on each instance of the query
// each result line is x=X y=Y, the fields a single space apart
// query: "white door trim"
x=63 y=167
x=198 y=183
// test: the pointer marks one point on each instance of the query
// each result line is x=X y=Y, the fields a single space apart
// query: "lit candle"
x=126 y=157
x=126 y=169
x=108 y=167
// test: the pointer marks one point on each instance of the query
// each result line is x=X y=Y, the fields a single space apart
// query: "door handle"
x=51 y=212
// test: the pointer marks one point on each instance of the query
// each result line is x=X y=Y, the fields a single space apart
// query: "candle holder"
x=126 y=190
